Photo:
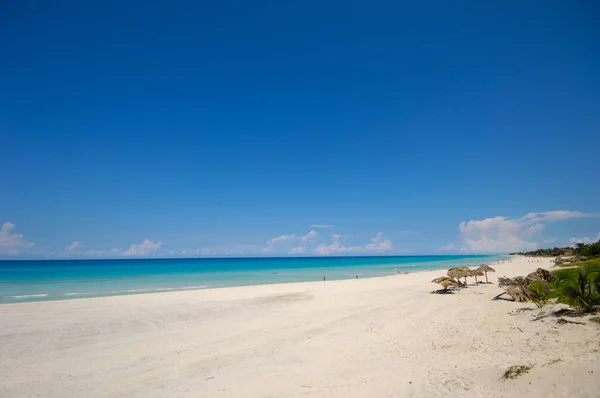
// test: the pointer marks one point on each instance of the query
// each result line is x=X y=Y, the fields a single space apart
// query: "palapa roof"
x=445 y=281
x=458 y=272
x=486 y=268
x=441 y=279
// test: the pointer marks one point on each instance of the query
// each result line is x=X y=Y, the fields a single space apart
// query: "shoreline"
x=101 y=295
x=383 y=336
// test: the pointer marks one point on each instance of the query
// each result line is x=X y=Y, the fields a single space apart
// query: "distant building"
x=566 y=251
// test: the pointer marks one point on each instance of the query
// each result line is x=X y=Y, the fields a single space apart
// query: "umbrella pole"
x=486 y=281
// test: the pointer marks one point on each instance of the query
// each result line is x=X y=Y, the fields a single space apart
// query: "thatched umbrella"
x=458 y=273
x=486 y=268
x=445 y=281
x=476 y=272
x=468 y=273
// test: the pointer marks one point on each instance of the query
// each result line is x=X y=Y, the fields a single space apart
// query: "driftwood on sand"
x=517 y=288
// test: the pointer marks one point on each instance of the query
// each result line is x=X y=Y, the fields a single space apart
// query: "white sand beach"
x=379 y=337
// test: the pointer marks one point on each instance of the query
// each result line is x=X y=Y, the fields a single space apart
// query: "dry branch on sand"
x=518 y=288
x=515 y=371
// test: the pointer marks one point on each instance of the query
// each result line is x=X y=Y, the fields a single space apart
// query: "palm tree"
x=579 y=287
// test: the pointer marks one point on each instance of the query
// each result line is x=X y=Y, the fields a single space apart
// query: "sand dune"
x=380 y=337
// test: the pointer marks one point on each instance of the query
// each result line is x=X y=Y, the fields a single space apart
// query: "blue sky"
x=233 y=128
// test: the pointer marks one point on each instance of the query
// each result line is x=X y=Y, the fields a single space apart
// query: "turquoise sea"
x=22 y=281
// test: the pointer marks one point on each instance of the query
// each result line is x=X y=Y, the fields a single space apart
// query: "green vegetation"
x=541 y=292
x=595 y=319
x=545 y=252
x=579 y=287
x=590 y=250
x=515 y=371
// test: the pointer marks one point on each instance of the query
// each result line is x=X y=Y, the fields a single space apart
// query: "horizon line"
x=247 y=257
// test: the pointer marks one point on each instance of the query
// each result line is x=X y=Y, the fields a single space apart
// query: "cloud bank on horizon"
x=503 y=234
x=498 y=234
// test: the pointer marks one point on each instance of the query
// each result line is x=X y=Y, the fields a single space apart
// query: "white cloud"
x=497 y=234
x=297 y=250
x=75 y=246
x=12 y=243
x=309 y=236
x=143 y=249
x=78 y=249
x=102 y=253
x=284 y=240
x=281 y=239
x=336 y=247
x=377 y=244
x=277 y=241
x=502 y=234
x=586 y=240
x=553 y=216
x=324 y=226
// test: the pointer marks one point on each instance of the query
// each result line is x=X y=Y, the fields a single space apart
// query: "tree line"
x=589 y=250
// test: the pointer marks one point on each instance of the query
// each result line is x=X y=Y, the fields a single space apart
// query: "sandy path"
x=377 y=337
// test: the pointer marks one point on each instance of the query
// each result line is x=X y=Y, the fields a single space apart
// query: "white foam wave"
x=167 y=289
x=160 y=289
x=26 y=296
x=130 y=291
x=82 y=293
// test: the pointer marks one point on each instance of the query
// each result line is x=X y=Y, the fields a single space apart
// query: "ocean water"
x=22 y=281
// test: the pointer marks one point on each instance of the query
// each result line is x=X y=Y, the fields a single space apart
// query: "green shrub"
x=579 y=287
x=540 y=292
